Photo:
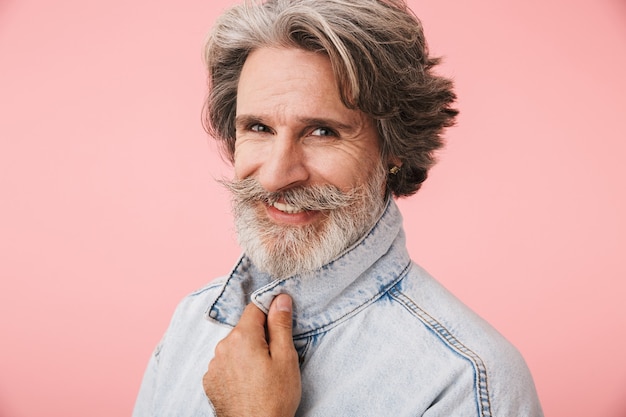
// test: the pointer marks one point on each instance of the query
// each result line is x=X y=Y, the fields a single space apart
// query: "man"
x=328 y=109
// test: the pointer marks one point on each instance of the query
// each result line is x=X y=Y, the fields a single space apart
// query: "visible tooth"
x=287 y=208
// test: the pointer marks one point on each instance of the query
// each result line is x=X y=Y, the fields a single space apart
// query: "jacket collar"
x=329 y=295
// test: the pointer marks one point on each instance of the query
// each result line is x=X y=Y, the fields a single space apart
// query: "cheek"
x=243 y=162
x=343 y=170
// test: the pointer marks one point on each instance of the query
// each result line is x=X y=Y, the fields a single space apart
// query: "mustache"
x=312 y=197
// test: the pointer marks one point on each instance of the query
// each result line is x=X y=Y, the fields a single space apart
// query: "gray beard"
x=283 y=250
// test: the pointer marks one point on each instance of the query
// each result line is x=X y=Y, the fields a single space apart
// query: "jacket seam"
x=478 y=365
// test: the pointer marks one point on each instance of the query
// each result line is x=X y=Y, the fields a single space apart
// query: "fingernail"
x=283 y=303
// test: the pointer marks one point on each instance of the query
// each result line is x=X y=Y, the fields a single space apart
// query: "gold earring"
x=394 y=170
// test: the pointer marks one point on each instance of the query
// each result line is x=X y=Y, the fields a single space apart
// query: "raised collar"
x=336 y=291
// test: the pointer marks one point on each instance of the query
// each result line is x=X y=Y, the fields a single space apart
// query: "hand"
x=254 y=376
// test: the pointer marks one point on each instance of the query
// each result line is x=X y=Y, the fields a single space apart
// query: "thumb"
x=279 y=324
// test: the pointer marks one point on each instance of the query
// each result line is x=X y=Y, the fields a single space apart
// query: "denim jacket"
x=376 y=336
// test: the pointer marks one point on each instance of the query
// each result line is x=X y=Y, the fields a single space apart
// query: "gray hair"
x=380 y=60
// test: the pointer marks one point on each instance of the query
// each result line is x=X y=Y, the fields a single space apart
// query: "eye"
x=323 y=131
x=260 y=128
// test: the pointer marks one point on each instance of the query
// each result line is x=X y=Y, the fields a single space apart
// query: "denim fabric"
x=376 y=336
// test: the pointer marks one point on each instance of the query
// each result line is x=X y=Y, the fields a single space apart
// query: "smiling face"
x=312 y=164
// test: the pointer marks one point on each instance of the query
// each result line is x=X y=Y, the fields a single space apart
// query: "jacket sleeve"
x=503 y=388
x=145 y=398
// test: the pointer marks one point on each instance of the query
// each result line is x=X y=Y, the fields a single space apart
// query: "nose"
x=283 y=166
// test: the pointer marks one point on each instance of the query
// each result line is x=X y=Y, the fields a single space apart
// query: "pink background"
x=110 y=212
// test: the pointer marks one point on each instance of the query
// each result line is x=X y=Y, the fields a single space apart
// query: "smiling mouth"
x=286 y=208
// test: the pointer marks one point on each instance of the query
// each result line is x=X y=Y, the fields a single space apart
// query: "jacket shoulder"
x=504 y=384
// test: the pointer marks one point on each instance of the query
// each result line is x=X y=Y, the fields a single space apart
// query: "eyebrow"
x=248 y=119
x=335 y=124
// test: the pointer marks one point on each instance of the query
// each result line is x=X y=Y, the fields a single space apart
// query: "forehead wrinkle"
x=278 y=100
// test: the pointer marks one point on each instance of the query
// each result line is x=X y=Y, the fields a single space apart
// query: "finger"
x=279 y=323
x=252 y=319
